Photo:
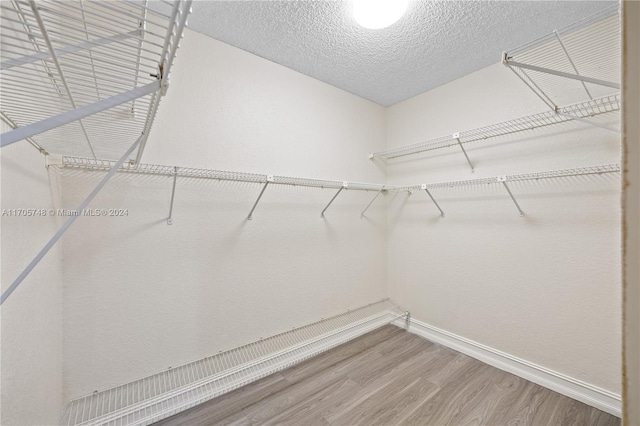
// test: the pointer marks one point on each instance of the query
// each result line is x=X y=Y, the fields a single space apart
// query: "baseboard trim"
x=565 y=385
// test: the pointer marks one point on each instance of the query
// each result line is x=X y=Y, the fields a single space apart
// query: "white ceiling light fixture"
x=376 y=14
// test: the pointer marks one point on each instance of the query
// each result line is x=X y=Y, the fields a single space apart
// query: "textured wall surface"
x=544 y=287
x=433 y=43
x=141 y=296
x=31 y=319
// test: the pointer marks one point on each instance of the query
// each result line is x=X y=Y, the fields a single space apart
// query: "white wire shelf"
x=187 y=172
x=578 y=171
x=504 y=181
x=577 y=62
x=265 y=180
x=153 y=398
x=83 y=77
x=584 y=110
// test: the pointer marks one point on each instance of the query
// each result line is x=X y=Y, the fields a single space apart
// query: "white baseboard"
x=565 y=385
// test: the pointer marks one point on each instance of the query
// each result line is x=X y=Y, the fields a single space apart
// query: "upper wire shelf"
x=189 y=172
x=577 y=62
x=579 y=111
x=84 y=77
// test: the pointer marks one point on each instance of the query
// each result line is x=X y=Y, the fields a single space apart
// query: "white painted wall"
x=141 y=296
x=31 y=319
x=544 y=287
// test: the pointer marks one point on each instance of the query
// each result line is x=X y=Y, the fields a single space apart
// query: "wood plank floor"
x=392 y=377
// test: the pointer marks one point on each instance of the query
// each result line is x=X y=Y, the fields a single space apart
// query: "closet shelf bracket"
x=369 y=205
x=503 y=181
x=578 y=77
x=30 y=130
x=14 y=126
x=424 y=187
x=344 y=186
x=573 y=65
x=269 y=180
x=456 y=136
x=173 y=193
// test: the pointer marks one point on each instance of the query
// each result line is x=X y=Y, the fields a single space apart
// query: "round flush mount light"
x=376 y=14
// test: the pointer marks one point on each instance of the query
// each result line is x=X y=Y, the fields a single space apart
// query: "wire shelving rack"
x=504 y=181
x=176 y=389
x=583 y=110
x=577 y=62
x=265 y=180
x=85 y=78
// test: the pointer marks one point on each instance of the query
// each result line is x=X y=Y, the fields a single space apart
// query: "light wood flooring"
x=392 y=377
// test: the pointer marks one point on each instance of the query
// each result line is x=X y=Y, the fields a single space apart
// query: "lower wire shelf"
x=159 y=396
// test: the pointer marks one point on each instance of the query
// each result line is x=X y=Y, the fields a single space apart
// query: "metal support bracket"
x=530 y=84
x=173 y=193
x=564 y=74
x=344 y=186
x=269 y=180
x=76 y=114
x=573 y=65
x=503 y=181
x=456 y=136
x=424 y=187
x=68 y=223
x=369 y=205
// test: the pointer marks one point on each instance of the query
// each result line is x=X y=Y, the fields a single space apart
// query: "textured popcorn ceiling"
x=434 y=43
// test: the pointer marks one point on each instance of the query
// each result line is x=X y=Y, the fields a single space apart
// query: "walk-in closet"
x=319 y=212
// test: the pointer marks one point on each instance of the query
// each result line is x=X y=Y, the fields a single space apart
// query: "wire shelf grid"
x=104 y=165
x=59 y=58
x=577 y=62
x=587 y=109
x=577 y=171
x=155 y=397
x=188 y=172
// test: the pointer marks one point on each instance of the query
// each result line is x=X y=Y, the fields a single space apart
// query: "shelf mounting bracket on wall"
x=173 y=193
x=269 y=180
x=344 y=186
x=424 y=187
x=578 y=77
x=530 y=84
x=456 y=136
x=369 y=205
x=503 y=181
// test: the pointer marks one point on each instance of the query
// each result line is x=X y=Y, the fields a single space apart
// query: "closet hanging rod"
x=582 y=110
x=578 y=171
x=188 y=172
